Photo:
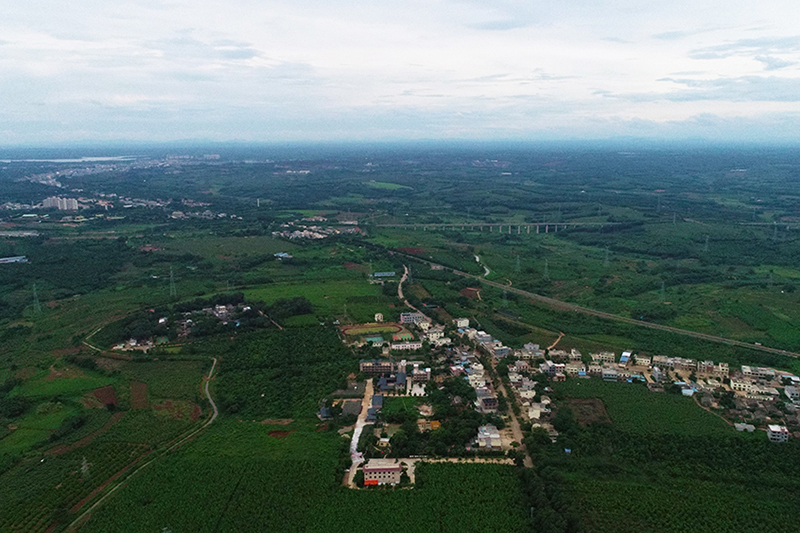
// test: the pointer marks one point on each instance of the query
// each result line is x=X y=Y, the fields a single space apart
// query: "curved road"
x=180 y=441
x=564 y=306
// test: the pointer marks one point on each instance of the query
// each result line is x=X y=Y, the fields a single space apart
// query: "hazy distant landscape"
x=174 y=339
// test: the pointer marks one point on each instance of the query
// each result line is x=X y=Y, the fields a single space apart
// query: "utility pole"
x=172 y=292
x=517 y=267
x=37 y=307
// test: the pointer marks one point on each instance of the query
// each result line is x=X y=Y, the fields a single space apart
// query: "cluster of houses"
x=489 y=343
x=299 y=231
x=465 y=363
x=757 y=389
x=397 y=378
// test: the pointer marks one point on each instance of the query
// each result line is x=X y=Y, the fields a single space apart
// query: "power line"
x=172 y=292
x=37 y=307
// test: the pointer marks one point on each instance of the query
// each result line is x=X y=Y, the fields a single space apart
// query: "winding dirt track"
x=173 y=445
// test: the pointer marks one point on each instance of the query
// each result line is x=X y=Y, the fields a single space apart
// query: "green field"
x=168 y=379
x=238 y=478
x=367 y=329
x=633 y=408
x=357 y=300
x=385 y=185
x=45 y=387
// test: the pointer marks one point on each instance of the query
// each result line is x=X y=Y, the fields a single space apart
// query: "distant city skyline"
x=155 y=71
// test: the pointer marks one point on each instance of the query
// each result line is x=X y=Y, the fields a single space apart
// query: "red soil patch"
x=196 y=412
x=64 y=448
x=139 y=395
x=355 y=266
x=279 y=434
x=469 y=292
x=588 y=410
x=412 y=251
x=277 y=421
x=322 y=427
x=106 y=395
x=90 y=402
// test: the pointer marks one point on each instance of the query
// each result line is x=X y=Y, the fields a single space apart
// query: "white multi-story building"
x=758 y=372
x=777 y=433
x=741 y=385
x=792 y=392
x=604 y=357
x=461 y=322
x=62 y=204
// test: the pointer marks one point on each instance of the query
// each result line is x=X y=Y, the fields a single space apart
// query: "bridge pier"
x=519 y=229
x=537 y=229
x=529 y=230
x=546 y=228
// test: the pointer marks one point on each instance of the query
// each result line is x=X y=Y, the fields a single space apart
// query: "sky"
x=300 y=70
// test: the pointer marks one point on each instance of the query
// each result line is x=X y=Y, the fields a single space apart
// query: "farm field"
x=633 y=408
x=167 y=379
x=237 y=477
x=631 y=506
x=357 y=300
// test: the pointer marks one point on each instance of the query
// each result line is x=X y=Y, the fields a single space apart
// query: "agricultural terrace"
x=633 y=408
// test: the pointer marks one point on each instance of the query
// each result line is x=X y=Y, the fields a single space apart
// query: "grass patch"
x=385 y=185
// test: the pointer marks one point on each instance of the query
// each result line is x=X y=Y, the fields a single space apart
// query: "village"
x=511 y=389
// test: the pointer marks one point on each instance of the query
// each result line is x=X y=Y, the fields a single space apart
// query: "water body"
x=78 y=160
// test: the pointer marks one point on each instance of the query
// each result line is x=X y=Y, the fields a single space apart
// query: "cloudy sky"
x=284 y=70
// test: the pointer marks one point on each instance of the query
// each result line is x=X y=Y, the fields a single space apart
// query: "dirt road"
x=515 y=427
x=355 y=457
x=402 y=298
x=120 y=480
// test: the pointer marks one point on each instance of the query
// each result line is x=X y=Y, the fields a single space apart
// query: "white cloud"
x=413 y=68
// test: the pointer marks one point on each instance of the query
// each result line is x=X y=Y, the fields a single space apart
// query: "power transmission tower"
x=663 y=298
x=172 y=292
x=546 y=272
x=705 y=248
x=605 y=261
x=37 y=307
x=517 y=267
